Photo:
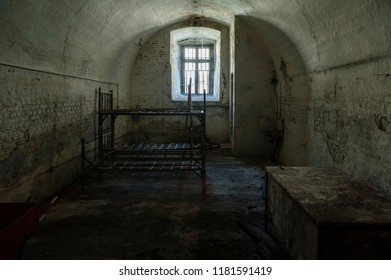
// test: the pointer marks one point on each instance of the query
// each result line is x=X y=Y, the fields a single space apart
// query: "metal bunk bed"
x=113 y=156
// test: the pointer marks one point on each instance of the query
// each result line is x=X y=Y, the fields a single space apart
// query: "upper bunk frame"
x=188 y=156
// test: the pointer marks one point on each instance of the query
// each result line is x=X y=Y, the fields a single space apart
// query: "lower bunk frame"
x=149 y=157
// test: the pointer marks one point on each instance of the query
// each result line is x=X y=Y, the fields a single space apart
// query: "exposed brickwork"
x=43 y=119
x=349 y=120
x=294 y=110
x=151 y=88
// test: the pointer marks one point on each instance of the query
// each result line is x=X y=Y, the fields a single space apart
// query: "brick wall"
x=150 y=87
x=42 y=121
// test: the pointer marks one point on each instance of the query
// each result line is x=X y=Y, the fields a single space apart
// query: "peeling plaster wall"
x=289 y=100
x=43 y=119
x=291 y=96
x=336 y=109
x=333 y=72
x=333 y=79
x=48 y=97
x=150 y=87
x=295 y=111
x=351 y=121
x=255 y=100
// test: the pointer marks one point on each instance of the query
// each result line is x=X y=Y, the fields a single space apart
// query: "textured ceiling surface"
x=69 y=35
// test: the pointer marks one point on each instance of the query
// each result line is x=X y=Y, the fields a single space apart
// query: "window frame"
x=194 y=35
x=197 y=61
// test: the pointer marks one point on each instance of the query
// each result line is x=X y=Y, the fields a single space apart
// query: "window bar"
x=196 y=69
x=197 y=64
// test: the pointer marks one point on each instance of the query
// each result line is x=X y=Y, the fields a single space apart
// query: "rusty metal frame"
x=147 y=157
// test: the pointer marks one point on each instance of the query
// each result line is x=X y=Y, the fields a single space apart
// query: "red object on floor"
x=17 y=223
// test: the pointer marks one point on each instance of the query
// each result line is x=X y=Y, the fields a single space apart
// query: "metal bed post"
x=186 y=156
x=190 y=107
x=112 y=121
x=83 y=156
x=266 y=217
x=203 y=144
x=100 y=124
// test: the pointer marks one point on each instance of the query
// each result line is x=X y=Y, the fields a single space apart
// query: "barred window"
x=195 y=60
x=197 y=67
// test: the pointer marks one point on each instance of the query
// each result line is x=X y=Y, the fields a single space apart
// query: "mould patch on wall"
x=237 y=41
x=383 y=123
x=224 y=80
x=336 y=148
x=284 y=69
x=139 y=44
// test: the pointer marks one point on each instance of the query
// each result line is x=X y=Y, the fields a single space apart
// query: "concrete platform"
x=322 y=213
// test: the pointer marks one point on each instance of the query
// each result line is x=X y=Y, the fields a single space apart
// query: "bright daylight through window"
x=195 y=61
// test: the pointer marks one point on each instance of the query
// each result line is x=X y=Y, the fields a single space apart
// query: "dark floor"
x=159 y=216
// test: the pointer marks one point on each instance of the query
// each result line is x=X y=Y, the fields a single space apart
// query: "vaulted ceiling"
x=97 y=38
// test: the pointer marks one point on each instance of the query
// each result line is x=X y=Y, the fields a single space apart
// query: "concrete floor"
x=157 y=215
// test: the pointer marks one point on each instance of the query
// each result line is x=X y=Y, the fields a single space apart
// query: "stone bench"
x=322 y=213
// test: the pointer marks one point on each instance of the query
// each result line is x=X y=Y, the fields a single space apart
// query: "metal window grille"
x=197 y=65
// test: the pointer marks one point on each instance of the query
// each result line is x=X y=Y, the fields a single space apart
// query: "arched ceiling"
x=84 y=37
